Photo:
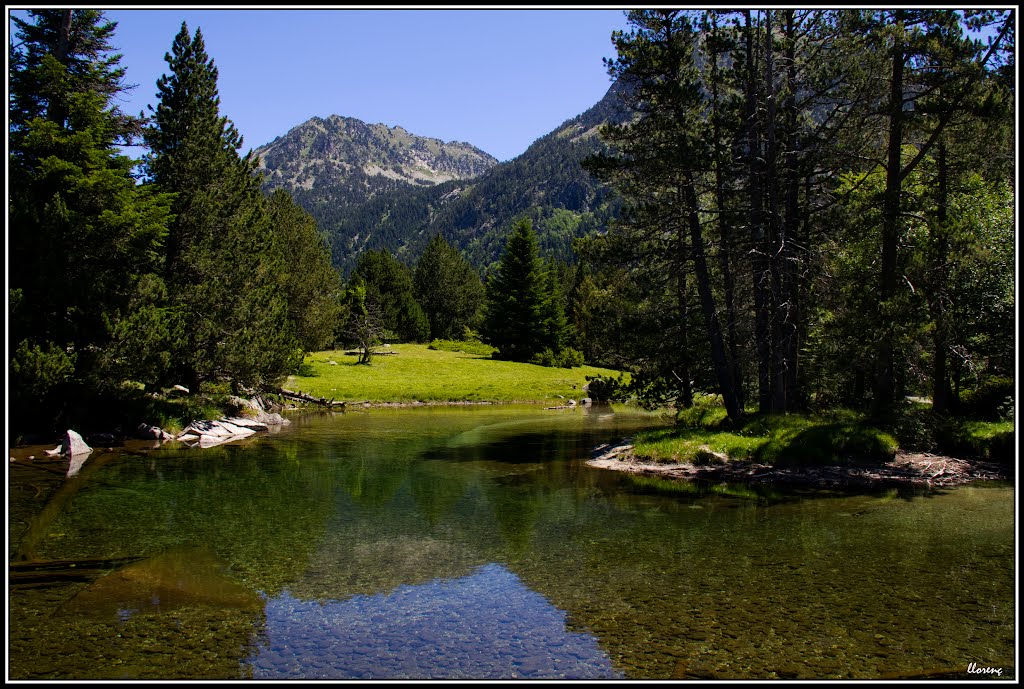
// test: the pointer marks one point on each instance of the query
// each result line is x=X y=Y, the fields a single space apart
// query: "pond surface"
x=474 y=543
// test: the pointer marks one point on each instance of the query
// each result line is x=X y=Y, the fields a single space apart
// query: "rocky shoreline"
x=918 y=469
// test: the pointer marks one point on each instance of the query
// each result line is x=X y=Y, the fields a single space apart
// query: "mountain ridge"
x=341 y=160
x=473 y=212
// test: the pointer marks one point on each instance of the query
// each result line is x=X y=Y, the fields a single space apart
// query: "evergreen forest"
x=781 y=210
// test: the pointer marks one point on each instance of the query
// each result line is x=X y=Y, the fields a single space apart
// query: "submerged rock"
x=178 y=577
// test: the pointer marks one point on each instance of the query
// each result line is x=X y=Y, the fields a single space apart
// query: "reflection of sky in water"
x=484 y=626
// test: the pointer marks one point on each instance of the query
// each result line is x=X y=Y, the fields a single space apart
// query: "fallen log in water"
x=292 y=394
x=51 y=572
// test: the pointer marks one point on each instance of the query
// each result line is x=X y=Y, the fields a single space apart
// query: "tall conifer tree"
x=84 y=240
x=312 y=285
x=389 y=288
x=927 y=53
x=662 y=163
x=516 y=298
x=224 y=270
x=448 y=289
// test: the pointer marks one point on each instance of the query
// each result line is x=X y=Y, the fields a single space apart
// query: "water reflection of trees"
x=256 y=508
x=659 y=576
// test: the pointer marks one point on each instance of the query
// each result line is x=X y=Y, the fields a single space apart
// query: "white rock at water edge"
x=73 y=445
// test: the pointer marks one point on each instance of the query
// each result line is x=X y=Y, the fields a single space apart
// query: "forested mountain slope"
x=473 y=213
x=331 y=164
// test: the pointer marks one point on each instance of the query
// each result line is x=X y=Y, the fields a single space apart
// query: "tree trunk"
x=790 y=261
x=724 y=228
x=304 y=397
x=56 y=110
x=940 y=377
x=884 y=390
x=686 y=387
x=776 y=239
x=723 y=372
x=759 y=261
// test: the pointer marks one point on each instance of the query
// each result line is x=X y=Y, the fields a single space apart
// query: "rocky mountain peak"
x=345 y=151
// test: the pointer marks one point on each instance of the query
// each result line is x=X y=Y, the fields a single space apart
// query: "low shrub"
x=605 y=388
x=566 y=358
x=466 y=346
x=306 y=369
x=828 y=443
x=702 y=436
x=705 y=412
x=989 y=399
x=993 y=440
x=570 y=358
x=545 y=358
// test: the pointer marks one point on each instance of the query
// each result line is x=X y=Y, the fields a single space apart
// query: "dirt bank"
x=906 y=468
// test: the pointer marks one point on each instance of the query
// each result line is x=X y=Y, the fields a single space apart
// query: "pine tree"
x=448 y=289
x=224 y=269
x=389 y=288
x=514 y=321
x=926 y=53
x=84 y=240
x=312 y=285
x=363 y=322
x=61 y=56
x=661 y=167
x=555 y=323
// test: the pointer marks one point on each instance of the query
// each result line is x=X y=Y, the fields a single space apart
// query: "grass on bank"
x=701 y=437
x=780 y=440
x=415 y=372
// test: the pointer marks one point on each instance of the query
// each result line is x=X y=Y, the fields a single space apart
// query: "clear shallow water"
x=473 y=543
x=486 y=625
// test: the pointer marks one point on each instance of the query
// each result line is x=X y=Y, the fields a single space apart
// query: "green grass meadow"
x=702 y=436
x=780 y=440
x=415 y=373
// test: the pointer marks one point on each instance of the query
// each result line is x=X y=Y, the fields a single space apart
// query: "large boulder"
x=73 y=444
x=210 y=433
x=245 y=422
x=147 y=432
x=271 y=418
x=251 y=403
x=76 y=449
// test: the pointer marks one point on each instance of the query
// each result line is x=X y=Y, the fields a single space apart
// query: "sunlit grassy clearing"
x=840 y=434
x=790 y=439
x=415 y=373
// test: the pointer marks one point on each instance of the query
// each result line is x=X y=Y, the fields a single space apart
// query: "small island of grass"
x=839 y=449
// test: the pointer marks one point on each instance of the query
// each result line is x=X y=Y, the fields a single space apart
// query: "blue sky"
x=498 y=79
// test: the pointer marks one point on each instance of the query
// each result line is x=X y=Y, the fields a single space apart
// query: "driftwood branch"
x=302 y=396
x=36 y=573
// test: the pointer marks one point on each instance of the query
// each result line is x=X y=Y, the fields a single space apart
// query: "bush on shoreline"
x=464 y=346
